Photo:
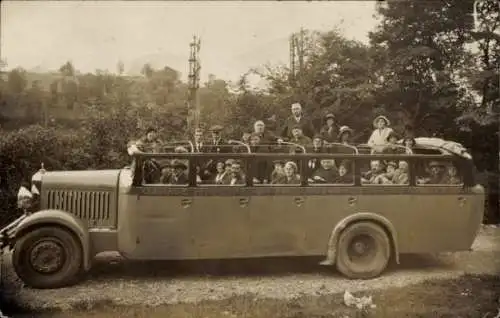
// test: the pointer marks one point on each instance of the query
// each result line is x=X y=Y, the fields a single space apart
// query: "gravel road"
x=152 y=284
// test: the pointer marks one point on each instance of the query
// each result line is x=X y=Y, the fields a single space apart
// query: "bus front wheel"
x=47 y=257
x=363 y=251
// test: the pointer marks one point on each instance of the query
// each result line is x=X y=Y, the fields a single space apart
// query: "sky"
x=235 y=36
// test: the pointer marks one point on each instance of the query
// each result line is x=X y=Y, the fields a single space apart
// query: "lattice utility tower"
x=297 y=52
x=194 y=85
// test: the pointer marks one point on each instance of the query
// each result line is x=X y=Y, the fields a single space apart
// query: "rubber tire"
x=381 y=259
x=67 y=275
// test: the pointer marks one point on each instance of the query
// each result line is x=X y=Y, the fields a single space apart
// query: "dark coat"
x=329 y=136
x=304 y=123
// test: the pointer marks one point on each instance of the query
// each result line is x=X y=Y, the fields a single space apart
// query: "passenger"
x=266 y=137
x=245 y=138
x=278 y=171
x=179 y=175
x=222 y=176
x=329 y=131
x=166 y=173
x=199 y=143
x=149 y=143
x=291 y=176
x=260 y=168
x=326 y=173
x=299 y=138
x=409 y=142
x=217 y=143
x=381 y=132
x=401 y=174
x=296 y=119
x=317 y=147
x=345 y=135
x=388 y=176
x=373 y=176
x=453 y=177
x=344 y=174
x=392 y=147
x=437 y=174
x=237 y=176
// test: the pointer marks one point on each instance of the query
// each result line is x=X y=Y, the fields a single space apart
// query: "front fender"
x=60 y=218
x=365 y=216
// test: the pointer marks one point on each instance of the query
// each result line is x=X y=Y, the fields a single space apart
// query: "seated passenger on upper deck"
x=392 y=147
x=327 y=173
x=149 y=143
x=291 y=176
x=329 y=131
x=299 y=138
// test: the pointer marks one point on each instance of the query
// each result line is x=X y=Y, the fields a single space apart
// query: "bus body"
x=358 y=227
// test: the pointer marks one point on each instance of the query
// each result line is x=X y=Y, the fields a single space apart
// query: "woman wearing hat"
x=329 y=131
x=381 y=132
x=392 y=147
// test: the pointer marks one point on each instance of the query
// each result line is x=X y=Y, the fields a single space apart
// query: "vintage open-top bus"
x=358 y=226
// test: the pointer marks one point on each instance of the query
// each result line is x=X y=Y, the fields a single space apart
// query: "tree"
x=16 y=80
x=67 y=69
x=421 y=48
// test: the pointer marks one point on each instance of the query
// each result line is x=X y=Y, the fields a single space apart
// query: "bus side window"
x=439 y=172
x=381 y=172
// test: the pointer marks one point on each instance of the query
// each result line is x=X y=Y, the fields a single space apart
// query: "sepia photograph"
x=253 y=159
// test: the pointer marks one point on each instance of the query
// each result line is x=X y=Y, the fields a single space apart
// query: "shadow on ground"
x=105 y=268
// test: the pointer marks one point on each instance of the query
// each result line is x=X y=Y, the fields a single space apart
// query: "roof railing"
x=294 y=144
x=342 y=145
x=241 y=143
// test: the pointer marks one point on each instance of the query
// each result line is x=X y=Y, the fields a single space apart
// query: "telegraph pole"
x=194 y=85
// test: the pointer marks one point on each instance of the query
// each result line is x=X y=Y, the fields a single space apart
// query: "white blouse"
x=379 y=136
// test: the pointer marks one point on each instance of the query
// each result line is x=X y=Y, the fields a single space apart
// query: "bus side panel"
x=427 y=222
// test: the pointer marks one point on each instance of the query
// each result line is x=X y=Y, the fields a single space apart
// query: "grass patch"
x=468 y=296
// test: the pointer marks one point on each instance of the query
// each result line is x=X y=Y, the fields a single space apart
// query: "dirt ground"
x=468 y=296
x=465 y=284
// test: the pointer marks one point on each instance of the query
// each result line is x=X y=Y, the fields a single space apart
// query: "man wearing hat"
x=381 y=132
x=217 y=143
x=297 y=118
x=178 y=175
x=437 y=174
x=278 y=171
x=329 y=131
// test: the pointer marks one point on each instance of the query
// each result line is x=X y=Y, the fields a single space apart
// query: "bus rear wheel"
x=363 y=251
x=47 y=257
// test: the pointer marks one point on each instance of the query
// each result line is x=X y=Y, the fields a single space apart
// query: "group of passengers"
x=297 y=135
